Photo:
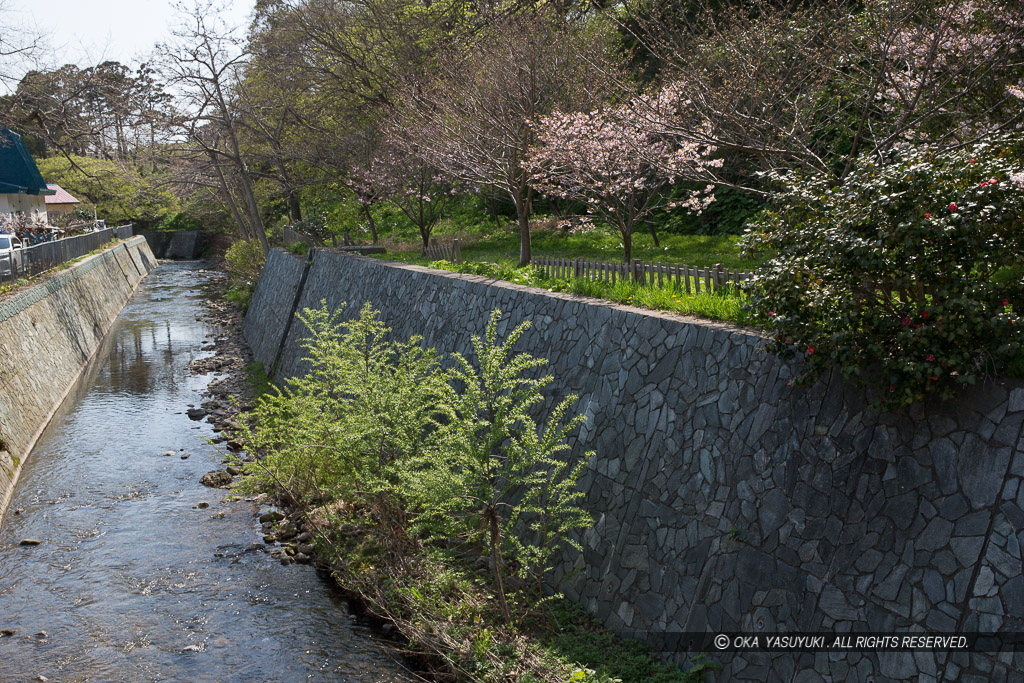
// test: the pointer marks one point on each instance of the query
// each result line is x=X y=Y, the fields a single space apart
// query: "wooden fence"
x=449 y=252
x=686 y=278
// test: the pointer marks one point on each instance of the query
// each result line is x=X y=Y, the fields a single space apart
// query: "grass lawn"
x=502 y=247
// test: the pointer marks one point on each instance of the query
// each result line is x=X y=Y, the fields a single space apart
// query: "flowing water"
x=133 y=580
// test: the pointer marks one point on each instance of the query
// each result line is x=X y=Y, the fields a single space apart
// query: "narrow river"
x=134 y=580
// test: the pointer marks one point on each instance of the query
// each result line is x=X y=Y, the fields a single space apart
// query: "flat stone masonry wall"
x=726 y=500
x=271 y=308
x=48 y=332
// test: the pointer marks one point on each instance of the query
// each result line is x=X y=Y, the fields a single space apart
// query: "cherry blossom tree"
x=611 y=160
x=472 y=117
x=419 y=190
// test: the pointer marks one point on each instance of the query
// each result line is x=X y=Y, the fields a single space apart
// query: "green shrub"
x=377 y=423
x=494 y=477
x=245 y=261
x=335 y=432
x=902 y=275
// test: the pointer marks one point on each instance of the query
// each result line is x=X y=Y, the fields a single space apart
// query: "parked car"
x=12 y=256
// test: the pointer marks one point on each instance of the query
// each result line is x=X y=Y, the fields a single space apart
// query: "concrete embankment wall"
x=175 y=244
x=724 y=499
x=48 y=332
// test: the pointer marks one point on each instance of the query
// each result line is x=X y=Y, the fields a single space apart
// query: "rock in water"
x=30 y=541
x=195 y=413
x=218 y=479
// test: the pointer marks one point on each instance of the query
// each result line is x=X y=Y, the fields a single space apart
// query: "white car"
x=11 y=256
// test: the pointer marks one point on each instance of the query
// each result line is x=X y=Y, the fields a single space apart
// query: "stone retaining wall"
x=727 y=500
x=48 y=332
x=270 y=310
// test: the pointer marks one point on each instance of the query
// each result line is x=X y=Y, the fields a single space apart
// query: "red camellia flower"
x=984 y=183
x=929 y=358
x=993 y=181
x=1006 y=302
x=933 y=379
x=952 y=206
x=905 y=321
x=972 y=161
x=924 y=315
x=927 y=215
x=810 y=350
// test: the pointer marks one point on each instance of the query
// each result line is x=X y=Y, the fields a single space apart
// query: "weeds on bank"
x=257 y=379
x=437 y=496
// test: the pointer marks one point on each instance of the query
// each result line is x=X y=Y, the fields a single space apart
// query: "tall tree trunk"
x=372 y=223
x=523 y=212
x=294 y=208
x=239 y=220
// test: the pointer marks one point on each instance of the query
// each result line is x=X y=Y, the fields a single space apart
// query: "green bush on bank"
x=438 y=496
x=244 y=261
x=908 y=275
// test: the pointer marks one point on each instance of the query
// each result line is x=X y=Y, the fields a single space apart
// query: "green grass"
x=726 y=305
x=502 y=247
x=257 y=379
x=577 y=637
x=494 y=252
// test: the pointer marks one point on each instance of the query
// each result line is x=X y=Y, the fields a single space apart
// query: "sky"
x=87 y=32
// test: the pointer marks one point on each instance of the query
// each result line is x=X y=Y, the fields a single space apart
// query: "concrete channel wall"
x=726 y=500
x=48 y=332
x=174 y=244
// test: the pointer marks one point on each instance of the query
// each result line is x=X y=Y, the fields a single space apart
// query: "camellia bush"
x=909 y=275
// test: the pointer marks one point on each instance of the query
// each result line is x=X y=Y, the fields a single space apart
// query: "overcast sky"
x=87 y=32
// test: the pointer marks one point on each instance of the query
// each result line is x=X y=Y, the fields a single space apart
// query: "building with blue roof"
x=22 y=188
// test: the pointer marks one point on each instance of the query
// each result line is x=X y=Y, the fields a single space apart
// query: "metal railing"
x=31 y=261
